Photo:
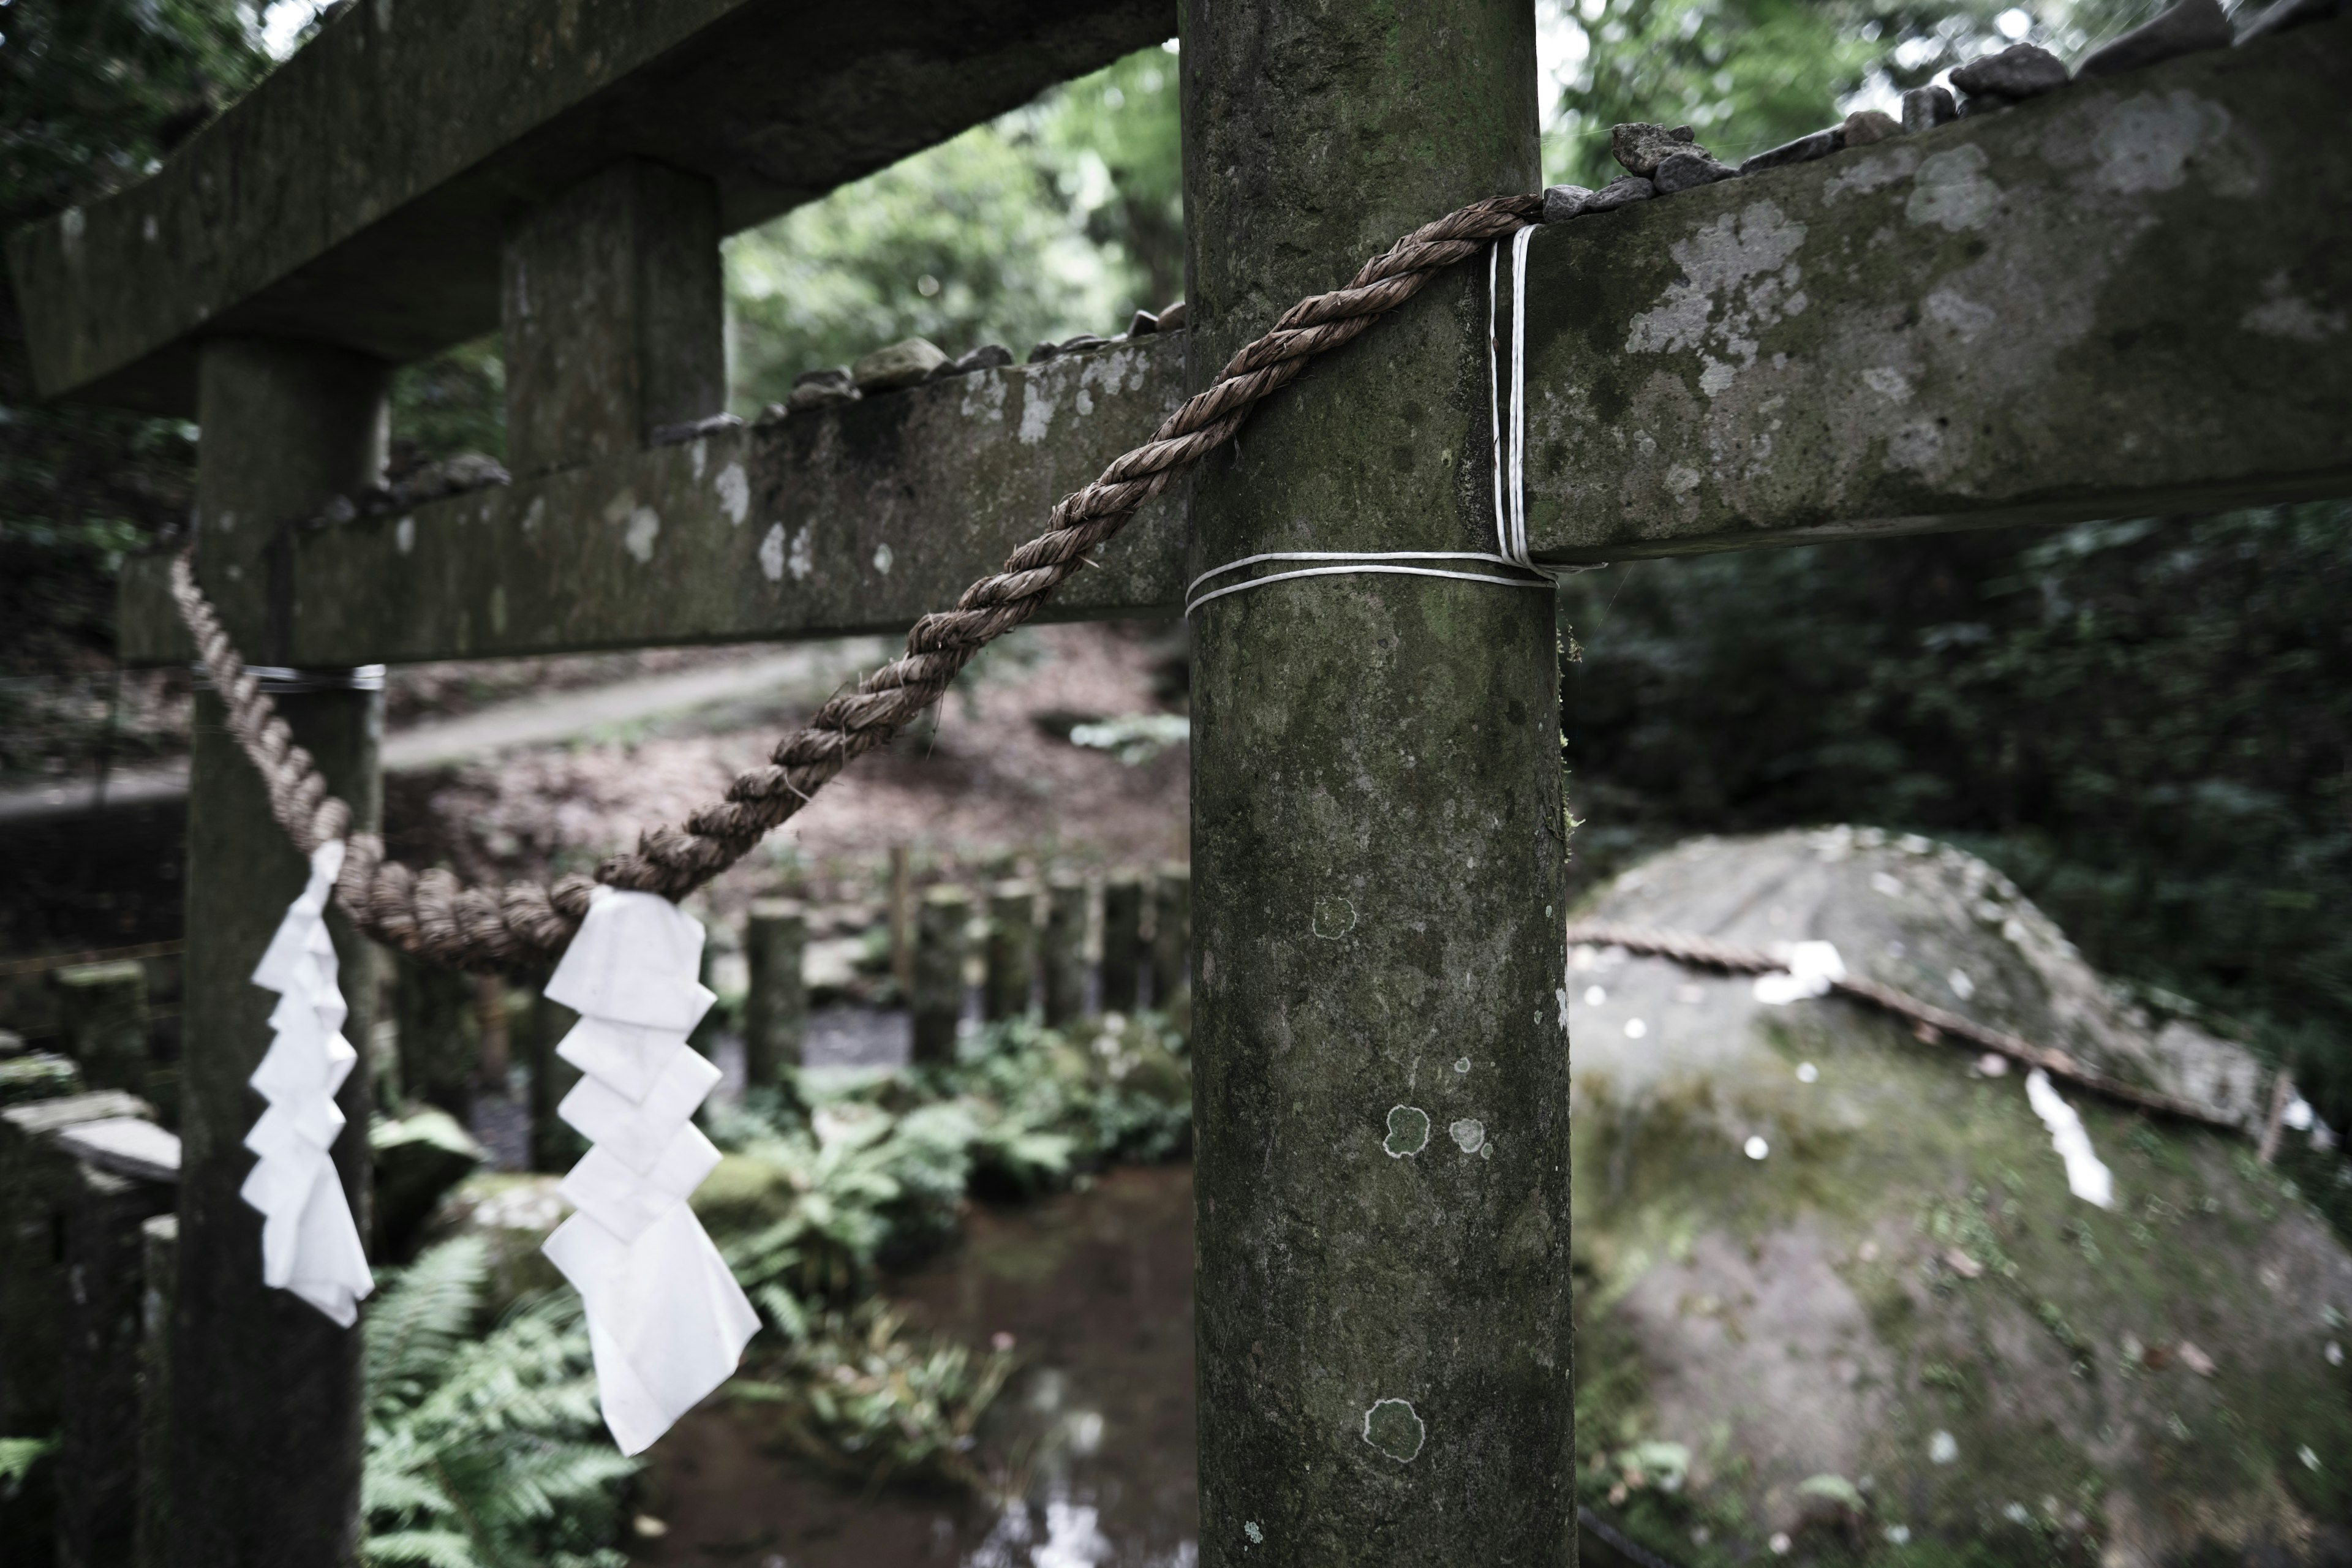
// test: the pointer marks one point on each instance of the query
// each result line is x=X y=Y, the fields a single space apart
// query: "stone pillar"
x=1171 y=933
x=102 y=1012
x=264 y=1452
x=555 y=1145
x=1382 y=1083
x=38 y=1181
x=902 y=918
x=942 y=942
x=1011 y=949
x=775 y=1011
x=160 y=1239
x=615 y=316
x=1063 y=953
x=1122 y=941
x=97 y=1469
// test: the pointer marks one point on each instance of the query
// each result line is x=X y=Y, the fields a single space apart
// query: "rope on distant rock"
x=433 y=916
x=1699 y=952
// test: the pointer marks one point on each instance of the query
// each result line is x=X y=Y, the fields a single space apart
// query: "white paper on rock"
x=309 y=1243
x=1813 y=968
x=2087 y=1176
x=665 y=1318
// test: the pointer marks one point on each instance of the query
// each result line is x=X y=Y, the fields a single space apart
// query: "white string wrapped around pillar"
x=666 y=1320
x=309 y=1243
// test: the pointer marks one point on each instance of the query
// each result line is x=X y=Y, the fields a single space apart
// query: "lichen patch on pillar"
x=1395 y=1428
x=1408 y=1132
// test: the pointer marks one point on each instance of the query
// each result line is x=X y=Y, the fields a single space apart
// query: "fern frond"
x=433 y=1548
x=418 y=1319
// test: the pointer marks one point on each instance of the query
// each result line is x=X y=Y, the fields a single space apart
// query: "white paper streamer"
x=665 y=1318
x=2087 y=1176
x=1813 y=968
x=309 y=1242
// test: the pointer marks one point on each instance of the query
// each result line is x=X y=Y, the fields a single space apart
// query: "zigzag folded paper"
x=309 y=1243
x=665 y=1318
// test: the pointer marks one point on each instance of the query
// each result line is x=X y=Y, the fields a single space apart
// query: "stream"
x=1092 y=1433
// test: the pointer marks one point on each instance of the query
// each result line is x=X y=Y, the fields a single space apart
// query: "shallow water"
x=1093 y=1434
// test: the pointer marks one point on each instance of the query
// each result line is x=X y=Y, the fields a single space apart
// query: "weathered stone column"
x=265 y=1410
x=1011 y=949
x=615 y=316
x=1377 y=836
x=1063 y=950
x=775 y=1012
x=942 y=942
x=159 y=1277
x=1171 y=933
x=1122 y=941
x=98 y=1466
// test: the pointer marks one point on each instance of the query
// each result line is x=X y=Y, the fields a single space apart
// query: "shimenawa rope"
x=431 y=914
x=1700 y=952
x=1507 y=385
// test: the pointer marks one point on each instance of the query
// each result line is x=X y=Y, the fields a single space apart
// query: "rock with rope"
x=1845 y=1285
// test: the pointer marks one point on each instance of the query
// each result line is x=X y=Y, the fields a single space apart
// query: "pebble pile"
x=918 y=360
x=1661 y=162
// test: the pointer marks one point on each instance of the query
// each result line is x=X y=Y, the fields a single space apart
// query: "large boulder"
x=1837 y=1298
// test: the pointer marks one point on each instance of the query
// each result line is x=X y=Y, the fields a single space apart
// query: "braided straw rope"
x=1699 y=952
x=432 y=915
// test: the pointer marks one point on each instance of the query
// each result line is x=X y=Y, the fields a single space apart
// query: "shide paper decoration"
x=665 y=1318
x=309 y=1242
x=1814 y=967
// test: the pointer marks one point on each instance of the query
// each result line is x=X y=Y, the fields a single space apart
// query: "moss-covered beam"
x=856 y=519
x=2130 y=298
x=358 y=196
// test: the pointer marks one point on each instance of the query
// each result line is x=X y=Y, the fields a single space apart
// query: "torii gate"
x=2131 y=297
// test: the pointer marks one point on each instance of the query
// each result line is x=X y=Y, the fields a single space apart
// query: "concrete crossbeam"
x=858 y=518
x=2129 y=298
x=358 y=197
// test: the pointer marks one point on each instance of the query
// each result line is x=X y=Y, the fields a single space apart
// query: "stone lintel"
x=855 y=519
x=2129 y=298
x=358 y=197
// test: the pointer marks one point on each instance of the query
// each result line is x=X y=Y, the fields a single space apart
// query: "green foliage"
x=483 y=1452
x=2148 y=725
x=18 y=1458
x=1751 y=74
x=453 y=402
x=1062 y=216
x=867 y=1400
x=92 y=94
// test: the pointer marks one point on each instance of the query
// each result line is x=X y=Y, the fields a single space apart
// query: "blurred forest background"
x=2148 y=724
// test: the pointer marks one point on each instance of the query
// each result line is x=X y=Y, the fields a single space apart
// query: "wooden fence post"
x=1122 y=941
x=942 y=942
x=1011 y=949
x=1064 y=949
x=1381 y=1089
x=775 y=1011
x=266 y=1445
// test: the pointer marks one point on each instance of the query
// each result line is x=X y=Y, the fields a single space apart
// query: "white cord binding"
x=1518 y=567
